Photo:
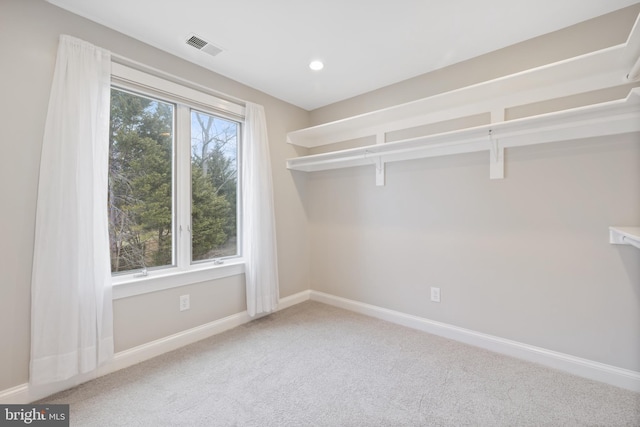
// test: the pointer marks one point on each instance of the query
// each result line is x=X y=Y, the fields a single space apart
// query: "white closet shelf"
x=625 y=236
x=607 y=118
x=604 y=69
x=601 y=69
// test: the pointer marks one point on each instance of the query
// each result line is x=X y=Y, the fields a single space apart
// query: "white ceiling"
x=365 y=44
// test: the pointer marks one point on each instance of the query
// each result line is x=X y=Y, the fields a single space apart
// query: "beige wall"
x=29 y=31
x=526 y=258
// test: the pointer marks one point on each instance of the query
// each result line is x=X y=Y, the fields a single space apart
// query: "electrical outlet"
x=435 y=294
x=184 y=302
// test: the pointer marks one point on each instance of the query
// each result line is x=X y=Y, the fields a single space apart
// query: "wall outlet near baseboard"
x=185 y=304
x=435 y=294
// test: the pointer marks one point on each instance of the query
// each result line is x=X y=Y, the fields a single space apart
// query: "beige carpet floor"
x=317 y=365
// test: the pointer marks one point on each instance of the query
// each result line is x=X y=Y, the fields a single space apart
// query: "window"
x=214 y=184
x=141 y=214
x=173 y=177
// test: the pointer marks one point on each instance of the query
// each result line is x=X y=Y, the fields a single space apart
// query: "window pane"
x=214 y=171
x=140 y=182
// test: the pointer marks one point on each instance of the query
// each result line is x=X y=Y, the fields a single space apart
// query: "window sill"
x=124 y=287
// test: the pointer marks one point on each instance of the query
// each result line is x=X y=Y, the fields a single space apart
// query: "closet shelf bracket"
x=496 y=162
x=625 y=236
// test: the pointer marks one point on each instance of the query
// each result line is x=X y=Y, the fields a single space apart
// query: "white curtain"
x=71 y=305
x=258 y=218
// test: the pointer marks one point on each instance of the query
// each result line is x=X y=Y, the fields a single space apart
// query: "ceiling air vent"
x=203 y=45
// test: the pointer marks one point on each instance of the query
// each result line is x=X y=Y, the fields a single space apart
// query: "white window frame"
x=184 y=272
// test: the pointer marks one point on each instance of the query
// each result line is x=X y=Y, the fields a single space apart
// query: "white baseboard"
x=15 y=395
x=147 y=351
x=619 y=377
x=294 y=299
x=25 y=393
x=585 y=368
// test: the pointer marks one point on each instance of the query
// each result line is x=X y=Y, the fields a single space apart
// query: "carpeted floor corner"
x=317 y=365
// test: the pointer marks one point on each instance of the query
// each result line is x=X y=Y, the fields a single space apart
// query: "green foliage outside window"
x=141 y=182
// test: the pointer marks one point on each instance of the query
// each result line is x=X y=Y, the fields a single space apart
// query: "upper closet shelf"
x=603 y=69
x=625 y=236
x=608 y=118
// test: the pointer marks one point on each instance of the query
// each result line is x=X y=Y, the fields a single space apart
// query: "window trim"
x=122 y=74
x=181 y=274
x=127 y=286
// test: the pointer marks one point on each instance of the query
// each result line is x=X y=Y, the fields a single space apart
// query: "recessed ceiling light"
x=316 y=65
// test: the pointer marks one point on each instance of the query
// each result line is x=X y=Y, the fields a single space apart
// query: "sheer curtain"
x=259 y=231
x=71 y=306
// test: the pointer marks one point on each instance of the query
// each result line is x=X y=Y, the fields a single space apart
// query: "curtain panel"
x=258 y=218
x=71 y=304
